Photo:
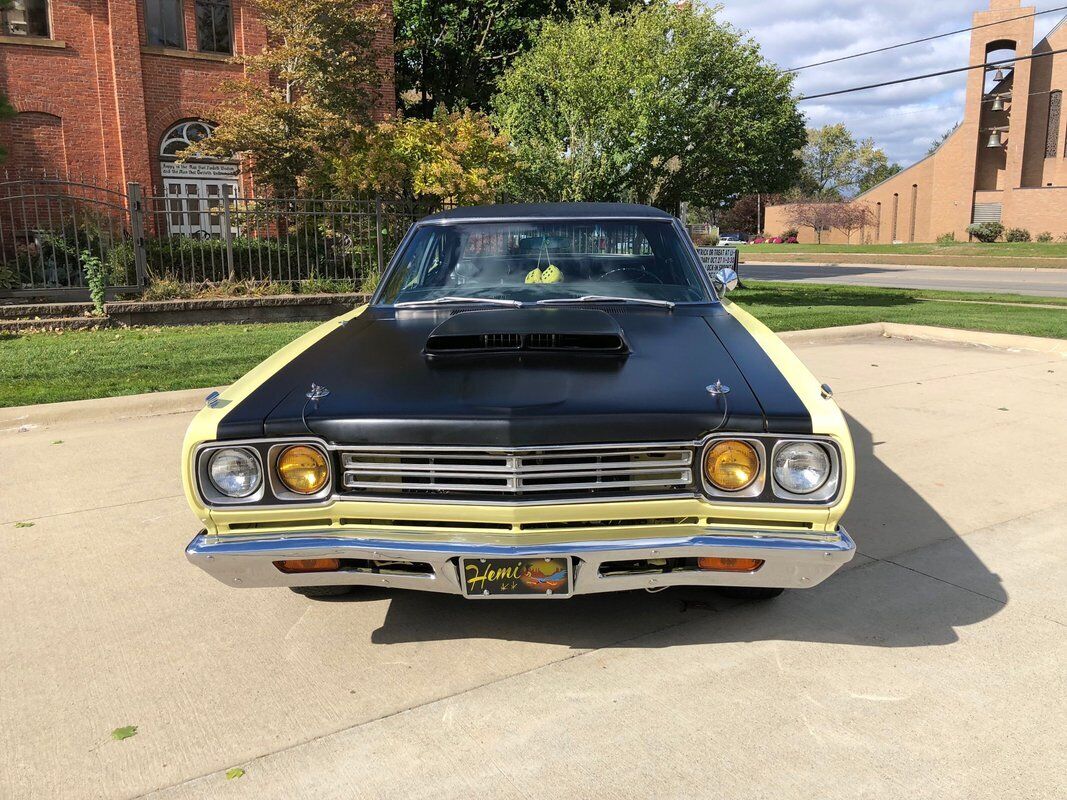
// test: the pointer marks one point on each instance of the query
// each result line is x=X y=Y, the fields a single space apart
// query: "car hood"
x=383 y=390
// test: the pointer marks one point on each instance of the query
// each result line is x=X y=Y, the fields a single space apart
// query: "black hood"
x=384 y=390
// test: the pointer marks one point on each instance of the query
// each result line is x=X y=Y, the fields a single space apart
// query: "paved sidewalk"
x=1040 y=282
x=931 y=668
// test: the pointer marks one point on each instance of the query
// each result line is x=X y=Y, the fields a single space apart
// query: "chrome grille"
x=619 y=469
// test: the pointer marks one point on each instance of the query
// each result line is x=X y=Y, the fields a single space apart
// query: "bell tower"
x=998 y=96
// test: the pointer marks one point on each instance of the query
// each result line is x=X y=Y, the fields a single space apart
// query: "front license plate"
x=531 y=577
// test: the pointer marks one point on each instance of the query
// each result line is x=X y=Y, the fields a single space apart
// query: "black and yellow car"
x=539 y=401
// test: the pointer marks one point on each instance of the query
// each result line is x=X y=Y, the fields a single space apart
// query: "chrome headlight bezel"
x=271 y=492
x=765 y=490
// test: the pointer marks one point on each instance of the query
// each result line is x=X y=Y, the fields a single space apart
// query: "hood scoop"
x=528 y=331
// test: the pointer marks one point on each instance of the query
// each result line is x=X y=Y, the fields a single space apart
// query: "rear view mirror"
x=725 y=280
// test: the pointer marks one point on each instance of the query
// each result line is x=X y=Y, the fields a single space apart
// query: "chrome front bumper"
x=791 y=563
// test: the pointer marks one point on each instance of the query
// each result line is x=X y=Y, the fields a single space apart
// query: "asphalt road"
x=1041 y=282
x=931 y=668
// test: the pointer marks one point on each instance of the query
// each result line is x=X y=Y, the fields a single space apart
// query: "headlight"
x=303 y=469
x=235 y=472
x=731 y=465
x=801 y=467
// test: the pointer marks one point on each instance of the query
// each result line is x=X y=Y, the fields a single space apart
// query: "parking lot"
x=931 y=668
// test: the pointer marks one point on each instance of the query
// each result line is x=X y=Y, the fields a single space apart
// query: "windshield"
x=530 y=262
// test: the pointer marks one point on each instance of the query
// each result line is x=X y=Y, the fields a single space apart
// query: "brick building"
x=107 y=90
x=1006 y=162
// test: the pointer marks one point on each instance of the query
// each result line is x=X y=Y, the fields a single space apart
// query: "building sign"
x=716 y=258
x=189 y=169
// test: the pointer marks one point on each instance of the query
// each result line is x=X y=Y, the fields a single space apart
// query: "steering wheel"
x=653 y=278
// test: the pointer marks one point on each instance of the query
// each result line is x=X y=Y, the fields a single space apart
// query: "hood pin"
x=717 y=389
x=317 y=393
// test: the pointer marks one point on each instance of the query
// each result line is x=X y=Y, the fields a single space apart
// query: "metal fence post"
x=227 y=237
x=378 y=233
x=135 y=201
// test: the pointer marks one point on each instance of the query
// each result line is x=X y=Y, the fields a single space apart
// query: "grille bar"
x=616 y=468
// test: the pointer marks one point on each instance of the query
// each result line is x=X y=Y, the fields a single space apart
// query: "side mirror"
x=725 y=280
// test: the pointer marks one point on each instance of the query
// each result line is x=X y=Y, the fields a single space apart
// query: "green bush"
x=790 y=233
x=1044 y=237
x=8 y=278
x=946 y=238
x=704 y=239
x=96 y=278
x=986 y=232
x=1017 y=235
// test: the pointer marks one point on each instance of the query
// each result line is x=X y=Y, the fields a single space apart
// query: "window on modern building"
x=163 y=23
x=1052 y=136
x=213 y=26
x=26 y=18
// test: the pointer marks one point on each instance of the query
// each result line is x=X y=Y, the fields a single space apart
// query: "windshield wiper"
x=445 y=301
x=599 y=298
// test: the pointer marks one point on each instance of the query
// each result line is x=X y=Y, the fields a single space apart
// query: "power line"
x=930 y=75
x=924 y=39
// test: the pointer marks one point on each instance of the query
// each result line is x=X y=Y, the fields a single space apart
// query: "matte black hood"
x=384 y=390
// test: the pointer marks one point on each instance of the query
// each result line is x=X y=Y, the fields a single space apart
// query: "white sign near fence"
x=715 y=258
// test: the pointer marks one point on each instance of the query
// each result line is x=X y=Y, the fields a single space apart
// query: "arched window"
x=184 y=134
x=195 y=187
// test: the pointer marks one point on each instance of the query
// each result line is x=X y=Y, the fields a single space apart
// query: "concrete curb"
x=929 y=333
x=187 y=400
x=18 y=418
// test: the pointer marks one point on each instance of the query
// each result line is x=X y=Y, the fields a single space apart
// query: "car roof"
x=509 y=211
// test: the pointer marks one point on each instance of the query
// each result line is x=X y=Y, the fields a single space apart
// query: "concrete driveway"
x=1040 y=282
x=932 y=668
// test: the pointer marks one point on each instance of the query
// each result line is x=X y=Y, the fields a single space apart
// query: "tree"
x=742 y=216
x=311 y=88
x=457 y=157
x=451 y=53
x=851 y=217
x=837 y=165
x=819 y=215
x=658 y=104
x=7 y=111
x=935 y=145
x=878 y=174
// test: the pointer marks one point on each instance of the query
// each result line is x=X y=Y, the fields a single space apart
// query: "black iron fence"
x=51 y=227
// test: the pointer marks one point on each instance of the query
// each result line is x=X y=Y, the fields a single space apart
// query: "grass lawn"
x=997 y=249
x=961 y=254
x=49 y=367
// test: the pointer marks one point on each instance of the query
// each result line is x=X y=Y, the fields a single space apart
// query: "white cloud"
x=903 y=119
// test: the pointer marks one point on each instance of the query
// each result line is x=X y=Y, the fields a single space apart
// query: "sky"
x=903 y=119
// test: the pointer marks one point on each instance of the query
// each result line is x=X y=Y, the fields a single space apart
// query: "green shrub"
x=290 y=258
x=986 y=232
x=946 y=238
x=96 y=278
x=1044 y=237
x=370 y=282
x=326 y=286
x=791 y=233
x=704 y=239
x=1017 y=235
x=8 y=278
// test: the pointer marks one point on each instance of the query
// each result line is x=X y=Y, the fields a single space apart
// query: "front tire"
x=750 y=592
x=316 y=592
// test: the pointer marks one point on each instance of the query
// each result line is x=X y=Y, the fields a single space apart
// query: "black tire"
x=750 y=592
x=322 y=591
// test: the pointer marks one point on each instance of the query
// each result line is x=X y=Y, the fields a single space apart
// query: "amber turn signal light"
x=730 y=564
x=309 y=565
